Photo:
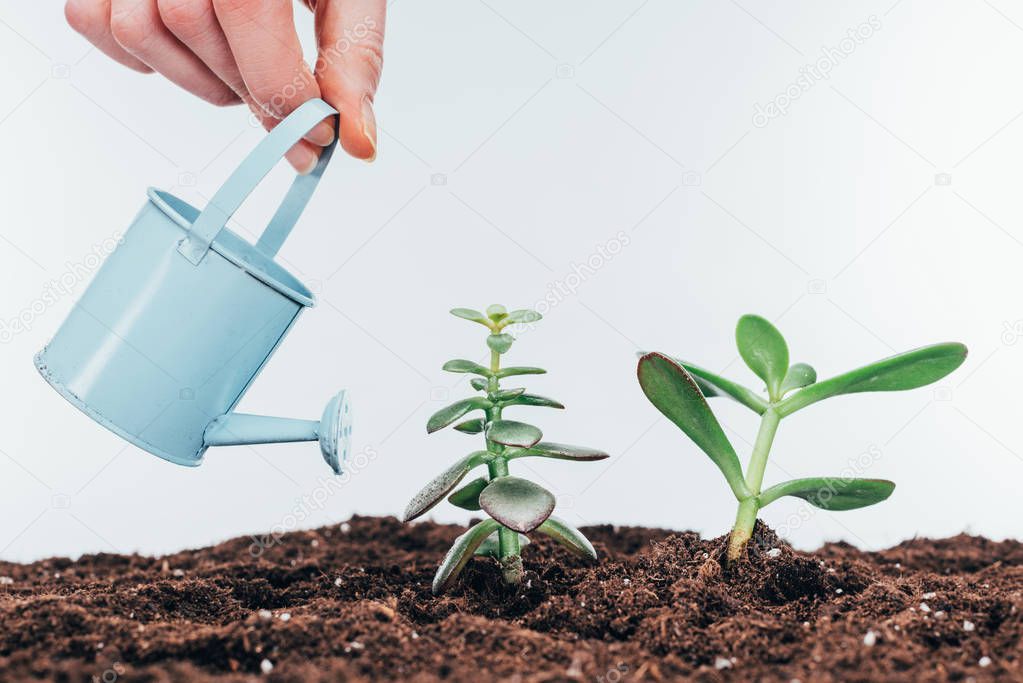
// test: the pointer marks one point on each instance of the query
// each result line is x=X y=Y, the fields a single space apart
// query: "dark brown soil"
x=353 y=603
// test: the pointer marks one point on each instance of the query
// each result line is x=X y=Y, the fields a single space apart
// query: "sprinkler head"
x=336 y=431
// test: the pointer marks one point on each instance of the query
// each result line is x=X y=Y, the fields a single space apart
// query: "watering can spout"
x=333 y=430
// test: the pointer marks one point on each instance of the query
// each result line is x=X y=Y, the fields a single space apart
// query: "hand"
x=233 y=51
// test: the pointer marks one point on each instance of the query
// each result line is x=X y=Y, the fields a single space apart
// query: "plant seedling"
x=515 y=506
x=679 y=390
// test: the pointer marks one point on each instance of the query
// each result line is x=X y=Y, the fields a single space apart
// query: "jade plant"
x=679 y=390
x=515 y=506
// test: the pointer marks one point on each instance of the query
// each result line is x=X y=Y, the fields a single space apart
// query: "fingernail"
x=322 y=134
x=369 y=126
x=303 y=159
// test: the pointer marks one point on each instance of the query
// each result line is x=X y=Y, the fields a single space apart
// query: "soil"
x=353 y=603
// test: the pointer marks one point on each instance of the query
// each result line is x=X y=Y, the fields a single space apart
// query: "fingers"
x=261 y=35
x=137 y=27
x=195 y=24
x=91 y=18
x=350 y=36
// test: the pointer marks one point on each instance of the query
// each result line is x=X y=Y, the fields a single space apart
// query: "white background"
x=516 y=139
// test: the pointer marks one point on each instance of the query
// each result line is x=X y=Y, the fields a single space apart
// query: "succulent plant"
x=515 y=506
x=679 y=390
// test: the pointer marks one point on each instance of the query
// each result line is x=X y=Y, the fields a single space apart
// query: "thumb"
x=349 y=37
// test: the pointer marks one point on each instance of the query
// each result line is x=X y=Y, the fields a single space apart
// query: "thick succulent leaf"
x=462 y=365
x=448 y=414
x=832 y=493
x=474 y=426
x=523 y=315
x=497 y=312
x=468 y=496
x=512 y=433
x=508 y=394
x=517 y=503
x=764 y=350
x=568 y=536
x=460 y=553
x=561 y=451
x=500 y=342
x=715 y=385
x=514 y=370
x=674 y=392
x=799 y=375
x=470 y=314
x=909 y=370
x=492 y=546
x=442 y=484
x=478 y=383
x=535 y=400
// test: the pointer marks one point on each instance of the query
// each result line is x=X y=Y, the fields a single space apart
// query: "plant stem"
x=746 y=517
x=508 y=540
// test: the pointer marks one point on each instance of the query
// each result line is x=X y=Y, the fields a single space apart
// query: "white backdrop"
x=879 y=212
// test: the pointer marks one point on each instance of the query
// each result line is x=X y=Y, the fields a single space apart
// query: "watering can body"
x=184 y=313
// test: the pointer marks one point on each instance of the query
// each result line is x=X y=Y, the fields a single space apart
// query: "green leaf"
x=832 y=493
x=904 y=371
x=517 y=503
x=674 y=392
x=500 y=342
x=478 y=383
x=764 y=350
x=512 y=371
x=448 y=414
x=522 y=315
x=474 y=426
x=512 y=433
x=492 y=546
x=535 y=400
x=715 y=385
x=468 y=497
x=799 y=375
x=561 y=451
x=432 y=493
x=568 y=536
x=497 y=312
x=508 y=394
x=460 y=553
x=471 y=314
x=462 y=365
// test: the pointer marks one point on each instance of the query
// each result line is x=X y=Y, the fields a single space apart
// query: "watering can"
x=183 y=315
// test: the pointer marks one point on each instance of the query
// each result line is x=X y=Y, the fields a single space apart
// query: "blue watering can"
x=183 y=315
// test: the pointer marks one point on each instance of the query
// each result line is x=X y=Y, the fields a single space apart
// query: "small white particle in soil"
x=266 y=615
x=722 y=663
x=314 y=543
x=984 y=662
x=839 y=591
x=345 y=527
x=6 y=581
x=338 y=582
x=898 y=565
x=968 y=625
x=897 y=627
x=356 y=645
x=924 y=607
x=929 y=596
x=178 y=573
x=99 y=646
x=939 y=614
x=285 y=616
x=831 y=570
x=870 y=639
x=706 y=556
x=627 y=581
x=266 y=666
x=415 y=636
x=774 y=552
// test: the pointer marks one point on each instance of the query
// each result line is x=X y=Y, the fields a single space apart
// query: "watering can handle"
x=252 y=170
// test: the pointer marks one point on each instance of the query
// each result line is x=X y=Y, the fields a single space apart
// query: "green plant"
x=516 y=506
x=678 y=389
